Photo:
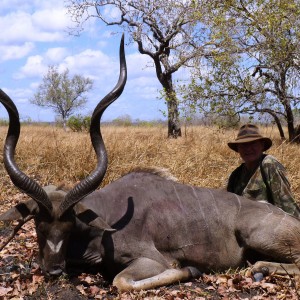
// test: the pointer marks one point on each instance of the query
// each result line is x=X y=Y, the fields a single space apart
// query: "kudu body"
x=145 y=229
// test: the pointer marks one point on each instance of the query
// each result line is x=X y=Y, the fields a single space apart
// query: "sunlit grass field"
x=201 y=157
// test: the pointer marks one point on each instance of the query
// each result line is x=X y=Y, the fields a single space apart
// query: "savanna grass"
x=202 y=157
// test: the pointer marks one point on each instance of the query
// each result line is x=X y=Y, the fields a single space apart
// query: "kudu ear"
x=21 y=211
x=90 y=218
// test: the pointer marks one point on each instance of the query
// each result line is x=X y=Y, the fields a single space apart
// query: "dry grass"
x=201 y=158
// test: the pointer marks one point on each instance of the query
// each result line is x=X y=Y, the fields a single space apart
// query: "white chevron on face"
x=54 y=247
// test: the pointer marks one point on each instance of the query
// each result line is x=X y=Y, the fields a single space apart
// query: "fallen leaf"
x=4 y=291
x=81 y=289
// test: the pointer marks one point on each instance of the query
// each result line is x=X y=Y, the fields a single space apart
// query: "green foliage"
x=124 y=120
x=254 y=67
x=4 y=122
x=228 y=121
x=149 y=124
x=61 y=92
x=26 y=120
x=79 y=123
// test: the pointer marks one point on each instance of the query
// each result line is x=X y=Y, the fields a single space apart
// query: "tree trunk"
x=64 y=122
x=279 y=126
x=277 y=121
x=165 y=78
x=294 y=133
x=293 y=138
x=174 y=129
x=297 y=134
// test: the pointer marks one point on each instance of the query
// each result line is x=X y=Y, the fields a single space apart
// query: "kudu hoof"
x=259 y=275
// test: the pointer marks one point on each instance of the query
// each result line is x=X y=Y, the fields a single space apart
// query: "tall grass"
x=202 y=157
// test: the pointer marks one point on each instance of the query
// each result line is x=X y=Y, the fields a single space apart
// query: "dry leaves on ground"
x=21 y=278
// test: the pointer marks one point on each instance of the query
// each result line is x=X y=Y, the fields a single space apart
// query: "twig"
x=16 y=229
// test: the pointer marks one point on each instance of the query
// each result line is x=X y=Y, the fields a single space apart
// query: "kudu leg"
x=275 y=268
x=145 y=273
x=275 y=236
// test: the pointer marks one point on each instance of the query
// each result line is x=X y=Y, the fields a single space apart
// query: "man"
x=261 y=177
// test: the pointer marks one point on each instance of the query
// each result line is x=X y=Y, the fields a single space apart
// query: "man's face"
x=252 y=151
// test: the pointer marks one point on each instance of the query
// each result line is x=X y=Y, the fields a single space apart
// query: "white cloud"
x=93 y=62
x=18 y=95
x=42 y=26
x=145 y=87
x=34 y=67
x=15 y=52
x=112 y=13
x=29 y=5
x=22 y=5
x=51 y=20
x=140 y=65
x=56 y=55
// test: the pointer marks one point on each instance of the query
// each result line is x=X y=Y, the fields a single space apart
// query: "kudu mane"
x=161 y=172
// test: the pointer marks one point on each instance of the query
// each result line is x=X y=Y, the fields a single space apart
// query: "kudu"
x=146 y=230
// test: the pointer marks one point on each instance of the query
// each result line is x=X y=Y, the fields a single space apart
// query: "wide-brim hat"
x=249 y=133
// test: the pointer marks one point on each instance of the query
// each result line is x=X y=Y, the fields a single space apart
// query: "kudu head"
x=51 y=208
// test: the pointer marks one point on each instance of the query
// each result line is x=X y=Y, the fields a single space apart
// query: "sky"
x=35 y=34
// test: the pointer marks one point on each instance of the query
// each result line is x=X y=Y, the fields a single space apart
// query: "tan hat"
x=249 y=133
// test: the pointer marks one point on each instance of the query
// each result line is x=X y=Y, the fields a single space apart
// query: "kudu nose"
x=56 y=270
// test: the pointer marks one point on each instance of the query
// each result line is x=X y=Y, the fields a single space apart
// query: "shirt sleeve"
x=280 y=186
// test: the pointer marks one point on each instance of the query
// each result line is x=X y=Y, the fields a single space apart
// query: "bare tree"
x=61 y=93
x=166 y=31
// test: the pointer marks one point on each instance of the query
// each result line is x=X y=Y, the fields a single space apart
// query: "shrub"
x=79 y=123
x=4 y=122
x=124 y=120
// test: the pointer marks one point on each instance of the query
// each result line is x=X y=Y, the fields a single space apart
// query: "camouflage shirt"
x=274 y=189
